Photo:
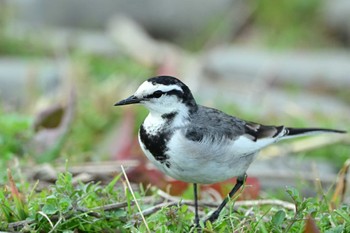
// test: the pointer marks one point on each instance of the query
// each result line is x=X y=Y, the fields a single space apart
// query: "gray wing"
x=209 y=122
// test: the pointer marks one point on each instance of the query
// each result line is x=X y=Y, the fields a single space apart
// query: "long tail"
x=297 y=132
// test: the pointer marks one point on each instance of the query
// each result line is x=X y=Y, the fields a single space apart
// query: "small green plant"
x=62 y=207
x=318 y=209
x=91 y=207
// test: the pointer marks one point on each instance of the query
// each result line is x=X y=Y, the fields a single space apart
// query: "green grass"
x=65 y=207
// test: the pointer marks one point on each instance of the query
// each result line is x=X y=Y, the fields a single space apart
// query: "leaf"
x=109 y=188
x=294 y=194
x=50 y=209
x=52 y=125
x=65 y=204
x=278 y=218
x=49 y=118
x=310 y=226
x=68 y=231
x=337 y=229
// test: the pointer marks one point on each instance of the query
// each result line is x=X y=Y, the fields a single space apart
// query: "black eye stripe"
x=156 y=94
x=175 y=92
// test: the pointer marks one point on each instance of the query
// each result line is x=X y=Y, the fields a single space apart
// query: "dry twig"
x=284 y=204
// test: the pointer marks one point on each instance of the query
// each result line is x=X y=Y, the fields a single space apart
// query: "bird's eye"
x=157 y=94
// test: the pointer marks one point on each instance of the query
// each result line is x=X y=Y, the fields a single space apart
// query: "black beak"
x=130 y=100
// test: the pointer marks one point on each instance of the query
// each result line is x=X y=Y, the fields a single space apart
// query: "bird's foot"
x=196 y=226
x=213 y=217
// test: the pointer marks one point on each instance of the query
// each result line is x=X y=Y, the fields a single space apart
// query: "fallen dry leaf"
x=51 y=125
x=310 y=226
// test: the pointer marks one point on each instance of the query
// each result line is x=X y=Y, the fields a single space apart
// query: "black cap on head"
x=166 y=80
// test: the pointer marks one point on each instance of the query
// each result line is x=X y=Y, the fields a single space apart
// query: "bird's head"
x=163 y=95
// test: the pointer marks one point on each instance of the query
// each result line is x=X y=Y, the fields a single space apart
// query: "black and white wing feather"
x=248 y=137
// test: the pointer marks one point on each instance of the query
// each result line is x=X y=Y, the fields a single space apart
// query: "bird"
x=198 y=144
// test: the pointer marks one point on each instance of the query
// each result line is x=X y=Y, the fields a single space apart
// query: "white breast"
x=206 y=161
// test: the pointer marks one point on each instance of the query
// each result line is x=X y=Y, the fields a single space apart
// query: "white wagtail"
x=197 y=144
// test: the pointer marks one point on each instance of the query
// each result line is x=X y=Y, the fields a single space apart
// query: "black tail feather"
x=294 y=132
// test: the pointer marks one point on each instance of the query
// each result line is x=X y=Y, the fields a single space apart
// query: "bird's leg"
x=239 y=183
x=196 y=217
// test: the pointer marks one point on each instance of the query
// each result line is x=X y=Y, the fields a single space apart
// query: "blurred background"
x=63 y=64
